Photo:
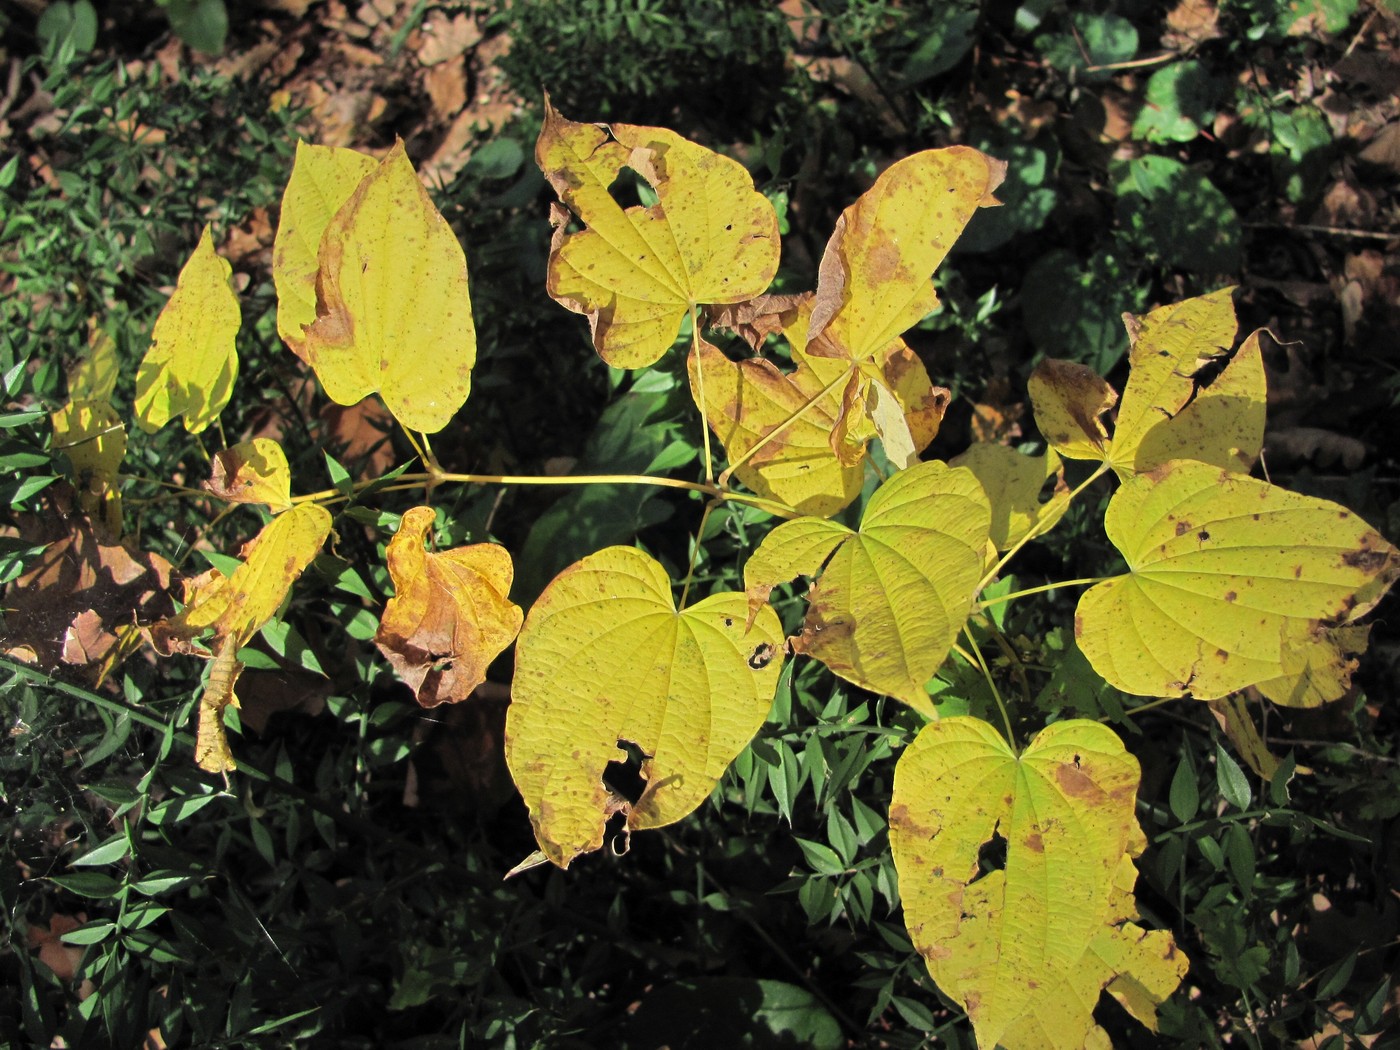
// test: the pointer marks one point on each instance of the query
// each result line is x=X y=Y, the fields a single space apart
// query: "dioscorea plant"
x=1230 y=582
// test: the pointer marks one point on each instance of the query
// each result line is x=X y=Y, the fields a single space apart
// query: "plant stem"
x=981 y=663
x=695 y=550
x=1038 y=528
x=1002 y=598
x=412 y=481
x=700 y=392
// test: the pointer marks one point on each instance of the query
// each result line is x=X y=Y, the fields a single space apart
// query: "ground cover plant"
x=935 y=713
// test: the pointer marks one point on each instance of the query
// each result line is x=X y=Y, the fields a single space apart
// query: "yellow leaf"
x=820 y=416
x=211 y=751
x=237 y=606
x=393 y=313
x=1188 y=396
x=1068 y=400
x=253 y=472
x=1317 y=667
x=1014 y=483
x=1227 y=576
x=94 y=377
x=893 y=596
x=323 y=178
x=635 y=272
x=93 y=437
x=603 y=658
x=192 y=364
x=1232 y=713
x=875 y=280
x=450 y=615
x=1027 y=948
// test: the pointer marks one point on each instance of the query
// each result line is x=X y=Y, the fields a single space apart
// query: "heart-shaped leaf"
x=1026 y=943
x=605 y=659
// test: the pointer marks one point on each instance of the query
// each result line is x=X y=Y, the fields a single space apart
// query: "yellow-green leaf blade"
x=91 y=434
x=391 y=295
x=710 y=238
x=1169 y=410
x=892 y=598
x=1226 y=573
x=1014 y=483
x=322 y=180
x=605 y=657
x=1028 y=948
x=191 y=365
x=252 y=472
x=450 y=615
x=875 y=280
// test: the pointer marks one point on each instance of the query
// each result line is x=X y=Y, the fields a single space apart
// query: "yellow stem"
x=1038 y=528
x=695 y=550
x=700 y=392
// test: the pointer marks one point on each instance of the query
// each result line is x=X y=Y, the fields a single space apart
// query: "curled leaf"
x=635 y=272
x=391 y=287
x=450 y=615
x=1027 y=947
x=252 y=472
x=323 y=179
x=1068 y=400
x=875 y=280
x=605 y=659
x=234 y=608
x=191 y=365
x=1189 y=394
x=890 y=599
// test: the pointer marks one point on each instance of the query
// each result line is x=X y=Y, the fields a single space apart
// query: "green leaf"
x=109 y=852
x=91 y=884
x=1184 y=797
x=702 y=1013
x=1073 y=309
x=821 y=858
x=1178 y=215
x=202 y=24
x=1027 y=948
x=1231 y=779
x=1179 y=100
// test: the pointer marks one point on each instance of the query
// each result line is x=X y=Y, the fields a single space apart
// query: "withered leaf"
x=450 y=615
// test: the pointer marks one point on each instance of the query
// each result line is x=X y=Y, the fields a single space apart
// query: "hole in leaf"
x=630 y=190
x=625 y=778
x=991 y=855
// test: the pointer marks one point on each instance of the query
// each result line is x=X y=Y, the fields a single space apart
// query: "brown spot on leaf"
x=1230 y=596
x=1035 y=843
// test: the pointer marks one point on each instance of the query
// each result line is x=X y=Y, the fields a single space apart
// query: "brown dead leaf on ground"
x=262 y=694
x=1191 y=23
x=359 y=436
x=446 y=86
x=459 y=763
x=447 y=38
x=63 y=959
x=82 y=586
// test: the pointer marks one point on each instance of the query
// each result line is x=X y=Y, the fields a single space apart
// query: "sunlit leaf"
x=813 y=423
x=252 y=472
x=604 y=657
x=635 y=272
x=450 y=615
x=1188 y=396
x=235 y=608
x=1069 y=400
x=323 y=178
x=393 y=314
x=1027 y=946
x=890 y=599
x=875 y=280
x=1232 y=713
x=94 y=377
x=191 y=365
x=91 y=434
x=1014 y=484
x=1317 y=667
x=1228 y=579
